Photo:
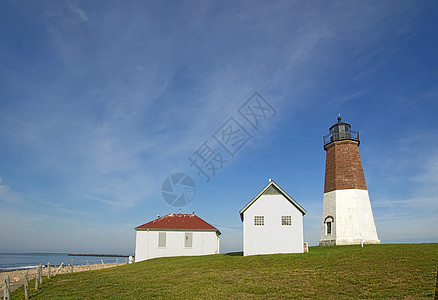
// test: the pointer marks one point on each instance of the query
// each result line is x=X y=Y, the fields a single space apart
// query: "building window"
x=329 y=222
x=259 y=220
x=162 y=239
x=286 y=220
x=188 y=240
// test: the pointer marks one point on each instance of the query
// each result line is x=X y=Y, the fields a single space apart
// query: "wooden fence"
x=7 y=289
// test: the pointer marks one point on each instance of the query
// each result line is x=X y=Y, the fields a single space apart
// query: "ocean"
x=22 y=261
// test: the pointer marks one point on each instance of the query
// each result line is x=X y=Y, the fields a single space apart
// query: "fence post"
x=6 y=288
x=72 y=266
x=26 y=286
x=48 y=270
x=40 y=273
x=126 y=261
x=36 y=278
x=59 y=268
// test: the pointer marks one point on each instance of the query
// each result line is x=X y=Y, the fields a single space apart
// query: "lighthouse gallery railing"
x=339 y=136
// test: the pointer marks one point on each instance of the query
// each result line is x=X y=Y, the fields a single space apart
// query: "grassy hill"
x=375 y=271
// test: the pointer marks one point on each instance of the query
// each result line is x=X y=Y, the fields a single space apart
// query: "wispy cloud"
x=9 y=196
x=66 y=13
x=79 y=14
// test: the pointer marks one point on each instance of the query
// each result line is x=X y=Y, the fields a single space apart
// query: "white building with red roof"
x=176 y=235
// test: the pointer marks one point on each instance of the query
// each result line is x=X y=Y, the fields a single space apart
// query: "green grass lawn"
x=375 y=271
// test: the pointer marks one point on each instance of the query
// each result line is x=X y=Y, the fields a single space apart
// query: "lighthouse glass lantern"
x=341 y=131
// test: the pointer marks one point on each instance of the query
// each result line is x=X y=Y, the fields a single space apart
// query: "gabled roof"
x=175 y=222
x=272 y=189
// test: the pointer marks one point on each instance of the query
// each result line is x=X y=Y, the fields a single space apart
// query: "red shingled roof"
x=178 y=221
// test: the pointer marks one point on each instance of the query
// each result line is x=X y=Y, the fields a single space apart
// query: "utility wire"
x=224 y=226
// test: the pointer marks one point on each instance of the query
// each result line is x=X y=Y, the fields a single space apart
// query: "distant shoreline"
x=100 y=255
x=21 y=261
x=64 y=253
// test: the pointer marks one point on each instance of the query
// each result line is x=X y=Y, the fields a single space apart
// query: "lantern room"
x=341 y=131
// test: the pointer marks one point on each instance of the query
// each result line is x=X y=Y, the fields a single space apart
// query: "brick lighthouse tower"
x=347 y=218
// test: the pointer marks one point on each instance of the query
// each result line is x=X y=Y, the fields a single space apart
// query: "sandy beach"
x=17 y=277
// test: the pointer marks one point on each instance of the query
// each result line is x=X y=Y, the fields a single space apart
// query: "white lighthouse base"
x=350 y=216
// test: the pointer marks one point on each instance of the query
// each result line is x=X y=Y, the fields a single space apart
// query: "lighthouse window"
x=259 y=220
x=328 y=221
x=329 y=227
x=286 y=220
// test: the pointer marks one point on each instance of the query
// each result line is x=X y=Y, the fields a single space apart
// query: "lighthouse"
x=347 y=217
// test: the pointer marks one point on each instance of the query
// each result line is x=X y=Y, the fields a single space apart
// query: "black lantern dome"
x=341 y=131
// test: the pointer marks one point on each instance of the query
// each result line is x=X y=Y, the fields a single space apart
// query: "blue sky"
x=101 y=101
